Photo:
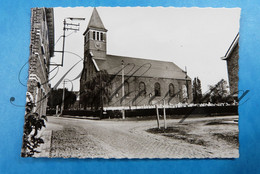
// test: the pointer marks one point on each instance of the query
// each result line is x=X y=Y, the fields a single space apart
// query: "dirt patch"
x=192 y=139
x=168 y=130
x=229 y=137
x=179 y=133
x=216 y=123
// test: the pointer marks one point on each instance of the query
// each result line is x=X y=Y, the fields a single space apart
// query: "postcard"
x=132 y=82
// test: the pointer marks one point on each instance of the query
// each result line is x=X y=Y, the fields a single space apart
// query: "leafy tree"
x=96 y=92
x=55 y=98
x=219 y=93
x=196 y=89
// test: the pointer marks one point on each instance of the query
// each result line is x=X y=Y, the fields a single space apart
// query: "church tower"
x=95 y=38
x=94 y=48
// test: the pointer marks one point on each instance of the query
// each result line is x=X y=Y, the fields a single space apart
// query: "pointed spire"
x=95 y=21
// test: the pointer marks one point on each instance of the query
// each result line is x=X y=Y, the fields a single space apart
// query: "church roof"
x=140 y=67
x=95 y=21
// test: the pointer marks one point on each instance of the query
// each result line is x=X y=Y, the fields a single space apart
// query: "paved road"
x=126 y=139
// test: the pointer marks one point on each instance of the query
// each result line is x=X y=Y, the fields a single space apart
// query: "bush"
x=32 y=124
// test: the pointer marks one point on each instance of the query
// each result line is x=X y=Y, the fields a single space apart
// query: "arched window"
x=157 y=89
x=171 y=90
x=97 y=35
x=94 y=35
x=101 y=37
x=126 y=86
x=142 y=88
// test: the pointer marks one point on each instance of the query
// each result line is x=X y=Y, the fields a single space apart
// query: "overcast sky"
x=193 y=37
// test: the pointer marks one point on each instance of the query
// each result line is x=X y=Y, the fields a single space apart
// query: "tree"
x=55 y=98
x=96 y=91
x=219 y=93
x=196 y=89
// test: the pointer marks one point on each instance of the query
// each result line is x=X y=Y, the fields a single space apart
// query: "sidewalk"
x=44 y=148
x=45 y=134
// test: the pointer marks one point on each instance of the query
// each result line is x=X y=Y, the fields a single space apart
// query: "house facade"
x=41 y=49
x=232 y=56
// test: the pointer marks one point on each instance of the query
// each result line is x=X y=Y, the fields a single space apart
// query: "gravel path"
x=130 y=139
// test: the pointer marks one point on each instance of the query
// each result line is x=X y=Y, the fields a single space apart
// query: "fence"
x=194 y=110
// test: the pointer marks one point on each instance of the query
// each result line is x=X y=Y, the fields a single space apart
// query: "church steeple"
x=95 y=37
x=95 y=21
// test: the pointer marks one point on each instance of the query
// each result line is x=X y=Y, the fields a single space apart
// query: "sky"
x=195 y=38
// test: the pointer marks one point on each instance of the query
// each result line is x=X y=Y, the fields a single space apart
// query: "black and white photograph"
x=132 y=82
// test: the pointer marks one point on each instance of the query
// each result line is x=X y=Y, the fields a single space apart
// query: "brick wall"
x=37 y=84
x=149 y=98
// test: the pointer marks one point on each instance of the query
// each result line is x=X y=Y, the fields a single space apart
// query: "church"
x=136 y=81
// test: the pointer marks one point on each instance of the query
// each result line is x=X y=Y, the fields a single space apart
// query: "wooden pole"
x=63 y=97
x=157 y=116
x=57 y=110
x=164 y=115
x=123 y=91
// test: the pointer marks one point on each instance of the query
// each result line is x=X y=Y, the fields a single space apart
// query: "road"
x=80 y=138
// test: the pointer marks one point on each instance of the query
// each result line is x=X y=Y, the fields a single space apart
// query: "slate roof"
x=95 y=22
x=140 y=67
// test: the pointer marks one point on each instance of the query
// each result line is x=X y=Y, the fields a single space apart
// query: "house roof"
x=140 y=67
x=231 y=47
x=95 y=22
x=50 y=23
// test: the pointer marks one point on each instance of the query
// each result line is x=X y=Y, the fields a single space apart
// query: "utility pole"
x=157 y=116
x=186 y=78
x=67 y=26
x=63 y=98
x=123 y=90
x=63 y=45
x=101 y=97
x=164 y=114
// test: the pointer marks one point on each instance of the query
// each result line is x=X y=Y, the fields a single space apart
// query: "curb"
x=45 y=148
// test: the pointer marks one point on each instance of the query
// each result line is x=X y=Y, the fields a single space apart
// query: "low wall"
x=76 y=113
x=206 y=111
